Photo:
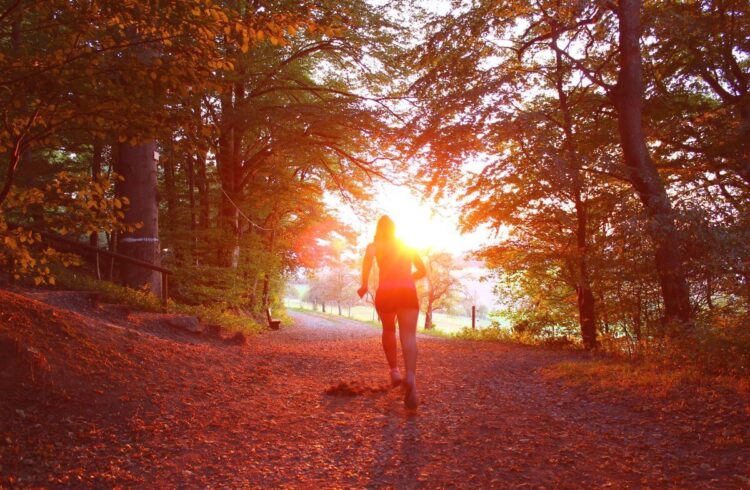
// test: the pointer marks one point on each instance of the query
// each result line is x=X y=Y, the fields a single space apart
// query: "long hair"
x=385 y=231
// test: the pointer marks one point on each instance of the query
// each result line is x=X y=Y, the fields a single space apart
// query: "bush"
x=718 y=345
x=141 y=300
x=218 y=313
x=493 y=333
x=496 y=333
x=70 y=204
x=711 y=351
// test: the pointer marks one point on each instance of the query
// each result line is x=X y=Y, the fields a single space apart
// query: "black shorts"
x=389 y=300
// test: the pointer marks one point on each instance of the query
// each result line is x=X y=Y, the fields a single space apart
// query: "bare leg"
x=407 y=329
x=389 y=338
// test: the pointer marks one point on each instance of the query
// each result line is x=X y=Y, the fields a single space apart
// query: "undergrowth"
x=217 y=313
x=496 y=333
x=644 y=377
x=714 y=354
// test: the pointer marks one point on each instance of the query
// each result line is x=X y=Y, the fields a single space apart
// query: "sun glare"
x=418 y=224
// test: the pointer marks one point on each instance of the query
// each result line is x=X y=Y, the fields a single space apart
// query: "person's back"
x=395 y=265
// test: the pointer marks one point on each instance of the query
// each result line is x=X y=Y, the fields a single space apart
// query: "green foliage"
x=203 y=285
x=69 y=204
x=80 y=281
x=220 y=314
x=496 y=333
x=492 y=333
x=216 y=312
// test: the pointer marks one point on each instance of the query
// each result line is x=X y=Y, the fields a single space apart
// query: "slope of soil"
x=130 y=405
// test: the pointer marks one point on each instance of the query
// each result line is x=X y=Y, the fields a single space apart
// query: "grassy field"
x=445 y=323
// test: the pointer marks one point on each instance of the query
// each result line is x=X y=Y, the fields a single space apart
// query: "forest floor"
x=131 y=402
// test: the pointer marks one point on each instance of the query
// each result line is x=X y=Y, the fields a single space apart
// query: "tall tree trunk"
x=267 y=277
x=203 y=193
x=428 y=315
x=17 y=153
x=228 y=212
x=236 y=162
x=170 y=187
x=190 y=174
x=642 y=172
x=638 y=316
x=252 y=294
x=137 y=165
x=585 y=296
x=96 y=172
x=744 y=164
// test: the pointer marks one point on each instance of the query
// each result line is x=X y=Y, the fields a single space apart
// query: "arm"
x=421 y=270
x=366 y=266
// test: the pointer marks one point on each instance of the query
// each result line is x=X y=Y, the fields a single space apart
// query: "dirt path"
x=203 y=414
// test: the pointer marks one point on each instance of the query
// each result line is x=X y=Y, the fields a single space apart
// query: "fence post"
x=473 y=317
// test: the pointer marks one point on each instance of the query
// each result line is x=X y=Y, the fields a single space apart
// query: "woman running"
x=396 y=299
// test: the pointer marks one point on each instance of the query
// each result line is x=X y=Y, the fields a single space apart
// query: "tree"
x=258 y=109
x=628 y=101
x=442 y=286
x=505 y=64
x=75 y=78
x=703 y=44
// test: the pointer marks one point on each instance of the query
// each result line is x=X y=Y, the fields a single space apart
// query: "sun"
x=418 y=224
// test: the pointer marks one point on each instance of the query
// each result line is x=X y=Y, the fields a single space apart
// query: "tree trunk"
x=586 y=310
x=203 y=190
x=190 y=171
x=16 y=153
x=267 y=278
x=254 y=293
x=96 y=171
x=642 y=172
x=709 y=290
x=137 y=165
x=605 y=316
x=428 y=316
x=170 y=187
x=638 y=317
x=228 y=174
x=744 y=110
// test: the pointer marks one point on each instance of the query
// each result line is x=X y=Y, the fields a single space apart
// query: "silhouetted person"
x=396 y=299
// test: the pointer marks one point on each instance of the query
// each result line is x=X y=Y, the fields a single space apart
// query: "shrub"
x=70 y=204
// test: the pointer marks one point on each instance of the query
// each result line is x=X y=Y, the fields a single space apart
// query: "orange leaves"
x=71 y=205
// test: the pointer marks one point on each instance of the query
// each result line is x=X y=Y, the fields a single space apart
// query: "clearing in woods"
x=133 y=404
